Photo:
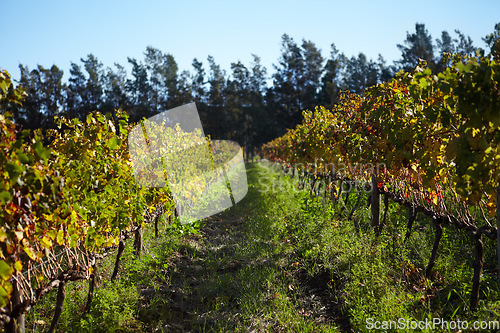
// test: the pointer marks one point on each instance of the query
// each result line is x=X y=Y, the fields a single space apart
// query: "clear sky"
x=60 y=32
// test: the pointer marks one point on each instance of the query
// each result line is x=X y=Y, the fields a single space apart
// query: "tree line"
x=239 y=105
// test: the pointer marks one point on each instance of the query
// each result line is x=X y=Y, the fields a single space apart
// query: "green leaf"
x=113 y=143
x=5 y=291
x=43 y=152
x=5 y=270
x=5 y=197
x=22 y=157
x=123 y=126
x=422 y=83
x=73 y=241
x=4 y=85
x=14 y=170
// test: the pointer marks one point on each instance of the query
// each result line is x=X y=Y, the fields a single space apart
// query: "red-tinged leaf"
x=10 y=248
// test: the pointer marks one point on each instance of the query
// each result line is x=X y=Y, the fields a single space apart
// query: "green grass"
x=282 y=261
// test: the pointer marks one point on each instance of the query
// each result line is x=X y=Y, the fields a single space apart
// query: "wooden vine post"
x=121 y=247
x=412 y=215
x=138 y=241
x=498 y=233
x=386 y=209
x=61 y=294
x=375 y=203
x=92 y=282
x=17 y=318
x=435 y=246
x=478 y=270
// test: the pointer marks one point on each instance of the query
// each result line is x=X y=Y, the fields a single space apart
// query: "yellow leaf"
x=60 y=237
x=30 y=252
x=18 y=266
x=46 y=242
x=52 y=234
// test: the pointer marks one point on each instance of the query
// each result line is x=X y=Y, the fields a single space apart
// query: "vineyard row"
x=437 y=137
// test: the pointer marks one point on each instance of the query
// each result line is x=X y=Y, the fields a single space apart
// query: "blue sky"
x=60 y=32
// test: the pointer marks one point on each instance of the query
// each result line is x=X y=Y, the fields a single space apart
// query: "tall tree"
x=30 y=114
x=237 y=107
x=385 y=72
x=245 y=107
x=296 y=82
x=416 y=46
x=329 y=91
x=139 y=90
x=493 y=41
x=283 y=97
x=75 y=93
x=94 y=85
x=199 y=82
x=45 y=96
x=184 y=90
x=115 y=89
x=171 y=82
x=445 y=45
x=260 y=122
x=313 y=70
x=199 y=93
x=464 y=44
x=153 y=62
x=359 y=73
x=217 y=125
x=52 y=93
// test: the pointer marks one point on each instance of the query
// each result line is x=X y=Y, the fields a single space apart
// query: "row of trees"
x=240 y=105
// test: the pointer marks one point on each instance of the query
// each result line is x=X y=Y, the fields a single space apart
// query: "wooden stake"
x=435 y=247
x=61 y=294
x=498 y=233
x=478 y=270
x=375 y=202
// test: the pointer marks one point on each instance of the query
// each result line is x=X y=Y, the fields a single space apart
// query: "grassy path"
x=280 y=261
x=243 y=274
